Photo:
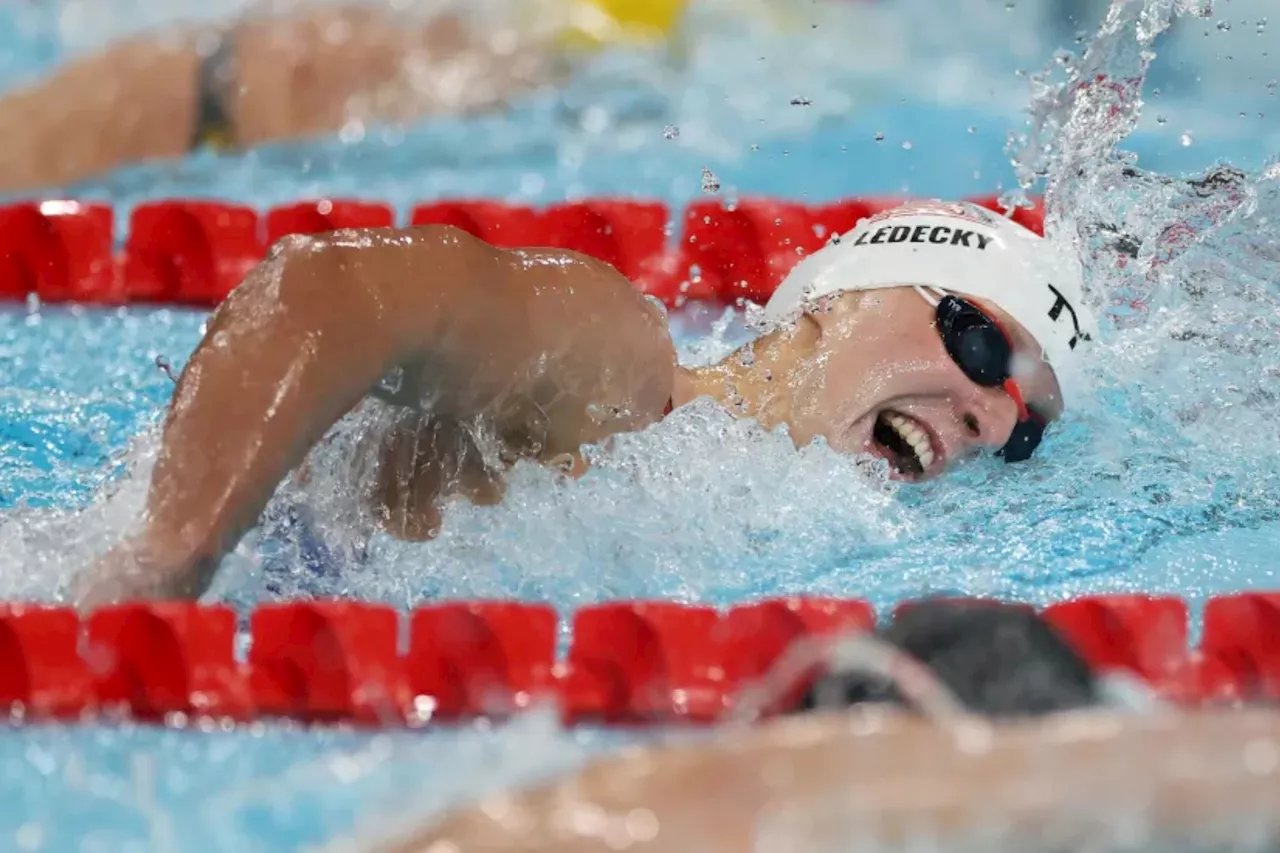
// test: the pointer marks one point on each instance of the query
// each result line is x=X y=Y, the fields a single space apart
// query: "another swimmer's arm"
x=822 y=783
x=289 y=77
x=314 y=328
x=133 y=101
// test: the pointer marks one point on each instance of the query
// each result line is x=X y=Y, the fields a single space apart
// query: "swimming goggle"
x=983 y=350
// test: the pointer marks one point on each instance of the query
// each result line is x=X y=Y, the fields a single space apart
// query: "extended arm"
x=286 y=77
x=538 y=341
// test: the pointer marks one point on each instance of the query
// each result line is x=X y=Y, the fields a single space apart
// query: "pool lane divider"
x=627 y=662
x=192 y=253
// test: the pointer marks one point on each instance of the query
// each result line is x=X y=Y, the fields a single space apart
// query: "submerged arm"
x=316 y=326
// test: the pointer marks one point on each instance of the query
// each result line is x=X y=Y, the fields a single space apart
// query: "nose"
x=989 y=417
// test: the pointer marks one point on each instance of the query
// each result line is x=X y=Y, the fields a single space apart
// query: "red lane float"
x=628 y=662
x=186 y=252
x=640 y=662
x=59 y=251
x=744 y=251
x=481 y=659
x=41 y=672
x=316 y=217
x=631 y=236
x=501 y=224
x=1242 y=634
x=152 y=660
x=325 y=661
x=754 y=637
x=189 y=253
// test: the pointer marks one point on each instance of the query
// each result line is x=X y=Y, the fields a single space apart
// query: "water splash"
x=1163 y=481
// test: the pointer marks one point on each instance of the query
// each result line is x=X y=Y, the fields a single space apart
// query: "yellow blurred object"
x=594 y=23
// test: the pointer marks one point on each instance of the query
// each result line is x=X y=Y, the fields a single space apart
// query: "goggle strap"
x=926 y=295
x=1011 y=388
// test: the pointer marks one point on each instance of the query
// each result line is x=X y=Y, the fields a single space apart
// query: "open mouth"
x=904 y=442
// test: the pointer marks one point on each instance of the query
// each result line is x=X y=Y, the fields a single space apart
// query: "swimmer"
x=928 y=334
x=270 y=78
x=1025 y=753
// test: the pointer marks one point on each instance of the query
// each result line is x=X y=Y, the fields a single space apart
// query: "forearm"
x=134 y=101
x=295 y=347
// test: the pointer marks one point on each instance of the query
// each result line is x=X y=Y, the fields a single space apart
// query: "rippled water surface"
x=1164 y=479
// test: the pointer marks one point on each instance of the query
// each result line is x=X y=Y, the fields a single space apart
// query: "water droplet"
x=907 y=146
x=352 y=132
x=1224 y=26
x=1271 y=87
x=800 y=102
x=1262 y=26
x=710 y=183
x=879 y=136
x=30 y=837
x=973 y=129
x=1161 y=120
x=755 y=147
x=166 y=368
x=670 y=132
x=1186 y=139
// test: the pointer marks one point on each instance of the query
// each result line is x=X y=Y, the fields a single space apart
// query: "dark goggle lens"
x=974 y=342
x=983 y=352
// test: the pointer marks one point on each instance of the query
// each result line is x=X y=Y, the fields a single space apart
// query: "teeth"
x=914 y=437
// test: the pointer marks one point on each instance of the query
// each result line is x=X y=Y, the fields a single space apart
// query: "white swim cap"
x=957 y=247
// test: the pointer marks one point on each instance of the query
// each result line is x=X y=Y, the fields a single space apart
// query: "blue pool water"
x=1165 y=479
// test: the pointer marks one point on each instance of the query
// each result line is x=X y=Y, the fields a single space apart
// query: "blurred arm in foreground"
x=1016 y=743
x=884 y=781
x=273 y=78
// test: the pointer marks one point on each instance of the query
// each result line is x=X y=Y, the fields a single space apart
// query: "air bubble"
x=671 y=131
x=1186 y=139
x=710 y=183
x=879 y=137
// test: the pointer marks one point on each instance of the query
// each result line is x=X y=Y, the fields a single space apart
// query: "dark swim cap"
x=996 y=659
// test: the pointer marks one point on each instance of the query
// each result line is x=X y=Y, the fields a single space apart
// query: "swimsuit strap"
x=215 y=126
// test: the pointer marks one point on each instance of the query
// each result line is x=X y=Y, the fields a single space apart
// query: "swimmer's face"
x=879 y=380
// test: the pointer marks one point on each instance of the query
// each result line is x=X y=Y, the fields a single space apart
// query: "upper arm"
x=546 y=342
x=595 y=358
